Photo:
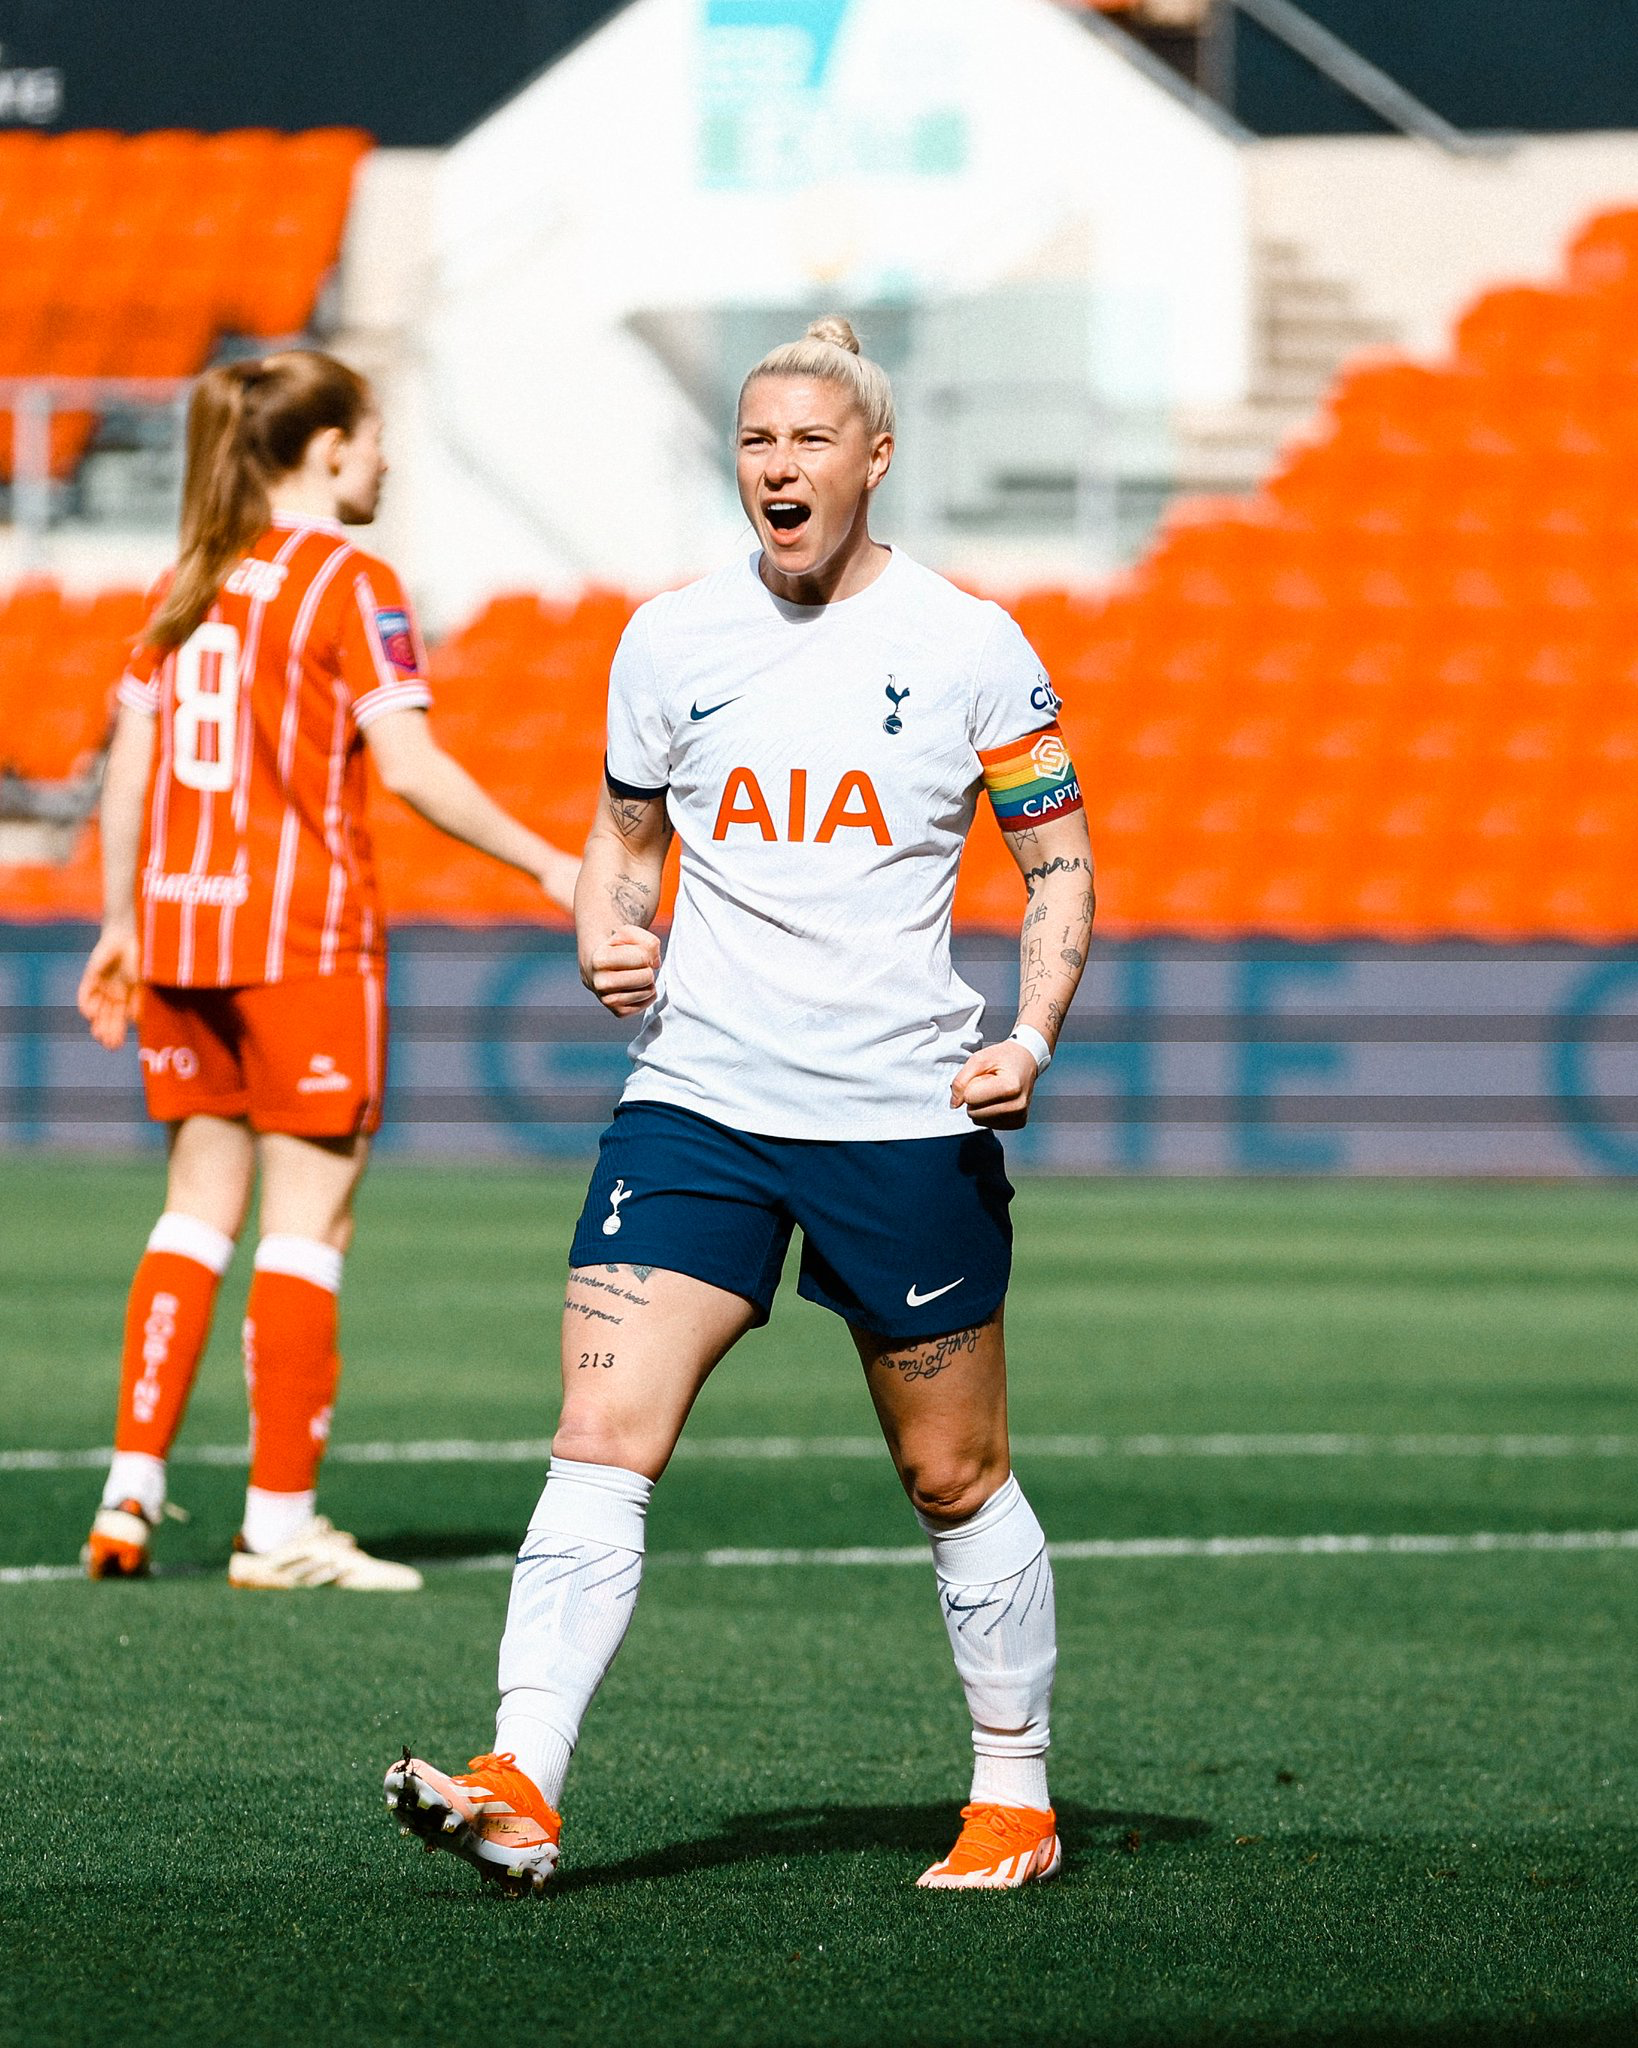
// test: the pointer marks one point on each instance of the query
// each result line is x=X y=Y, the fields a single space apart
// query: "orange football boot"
x=117 y=1547
x=998 y=1849
x=491 y=1814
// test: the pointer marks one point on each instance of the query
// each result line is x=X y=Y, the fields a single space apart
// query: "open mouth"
x=786 y=515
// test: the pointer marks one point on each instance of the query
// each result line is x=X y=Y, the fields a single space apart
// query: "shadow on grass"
x=917 y=1831
x=434 y=1546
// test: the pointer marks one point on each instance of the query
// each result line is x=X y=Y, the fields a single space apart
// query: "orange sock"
x=167 y=1323
x=291 y=1364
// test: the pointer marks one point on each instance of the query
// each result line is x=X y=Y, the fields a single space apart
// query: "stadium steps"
x=1305 y=325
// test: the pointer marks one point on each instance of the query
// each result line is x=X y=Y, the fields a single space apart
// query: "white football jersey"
x=821 y=769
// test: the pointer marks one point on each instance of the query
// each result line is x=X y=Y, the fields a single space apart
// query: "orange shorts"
x=308 y=1058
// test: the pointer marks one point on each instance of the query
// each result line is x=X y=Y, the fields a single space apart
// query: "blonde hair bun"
x=833 y=328
x=829 y=353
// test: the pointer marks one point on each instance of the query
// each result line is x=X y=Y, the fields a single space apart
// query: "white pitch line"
x=1110 y=1550
x=1125 y=1548
x=750 y=1449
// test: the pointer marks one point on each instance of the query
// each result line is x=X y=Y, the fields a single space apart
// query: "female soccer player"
x=815 y=724
x=250 y=948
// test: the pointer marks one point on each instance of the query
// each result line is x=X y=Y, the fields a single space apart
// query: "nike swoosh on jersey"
x=915 y=1300
x=694 y=710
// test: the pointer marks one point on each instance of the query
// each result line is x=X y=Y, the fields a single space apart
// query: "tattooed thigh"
x=606 y=1295
x=924 y=1358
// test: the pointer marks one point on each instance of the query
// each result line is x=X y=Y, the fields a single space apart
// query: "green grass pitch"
x=1323 y=1799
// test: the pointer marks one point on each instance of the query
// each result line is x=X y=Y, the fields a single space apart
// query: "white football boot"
x=319 y=1555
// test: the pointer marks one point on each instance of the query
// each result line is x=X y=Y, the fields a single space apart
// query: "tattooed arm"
x=1055 y=860
x=616 y=898
x=1056 y=863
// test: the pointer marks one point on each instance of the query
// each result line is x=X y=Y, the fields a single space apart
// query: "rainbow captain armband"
x=1031 y=781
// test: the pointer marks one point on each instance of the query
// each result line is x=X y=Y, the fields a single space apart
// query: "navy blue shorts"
x=907 y=1237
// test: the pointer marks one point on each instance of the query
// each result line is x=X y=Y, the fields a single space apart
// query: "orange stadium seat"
x=1392 y=695
x=130 y=256
x=535 y=673
x=1603 y=256
x=1369 y=700
x=59 y=661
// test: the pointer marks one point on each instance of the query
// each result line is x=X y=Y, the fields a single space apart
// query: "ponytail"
x=248 y=425
x=224 y=501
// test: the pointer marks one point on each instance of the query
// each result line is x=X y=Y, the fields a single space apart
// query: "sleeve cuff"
x=377 y=703
x=137 y=695
x=633 y=792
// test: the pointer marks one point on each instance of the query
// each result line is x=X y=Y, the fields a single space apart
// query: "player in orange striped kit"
x=242 y=931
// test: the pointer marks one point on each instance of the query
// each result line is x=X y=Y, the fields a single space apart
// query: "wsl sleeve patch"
x=398 y=641
x=1031 y=781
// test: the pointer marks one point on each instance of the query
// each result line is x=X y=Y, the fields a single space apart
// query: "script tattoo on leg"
x=601 y=1297
x=924 y=1358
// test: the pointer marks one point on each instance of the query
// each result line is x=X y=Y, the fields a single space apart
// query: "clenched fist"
x=995 y=1086
x=622 y=971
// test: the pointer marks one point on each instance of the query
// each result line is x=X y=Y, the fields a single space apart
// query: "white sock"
x=573 y=1592
x=134 y=1475
x=302 y=1258
x=192 y=1238
x=995 y=1591
x=274 y=1519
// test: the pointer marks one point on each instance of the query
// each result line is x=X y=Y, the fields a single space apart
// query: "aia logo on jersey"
x=854 y=806
x=397 y=641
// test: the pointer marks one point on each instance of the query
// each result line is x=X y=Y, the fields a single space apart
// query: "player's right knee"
x=607 y=1440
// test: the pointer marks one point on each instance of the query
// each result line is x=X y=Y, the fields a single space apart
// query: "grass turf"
x=1345 y=1799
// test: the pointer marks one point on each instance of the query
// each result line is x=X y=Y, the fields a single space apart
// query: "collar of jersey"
x=837 y=604
x=295 y=522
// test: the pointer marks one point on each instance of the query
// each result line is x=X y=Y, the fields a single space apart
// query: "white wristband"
x=1034 y=1044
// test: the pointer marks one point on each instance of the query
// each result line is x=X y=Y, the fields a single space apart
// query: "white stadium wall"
x=696 y=155
x=1416 y=233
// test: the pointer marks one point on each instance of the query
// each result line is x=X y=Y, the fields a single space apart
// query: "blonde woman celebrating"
x=815 y=724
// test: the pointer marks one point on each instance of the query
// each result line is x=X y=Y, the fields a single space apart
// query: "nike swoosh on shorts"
x=915 y=1300
x=694 y=710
